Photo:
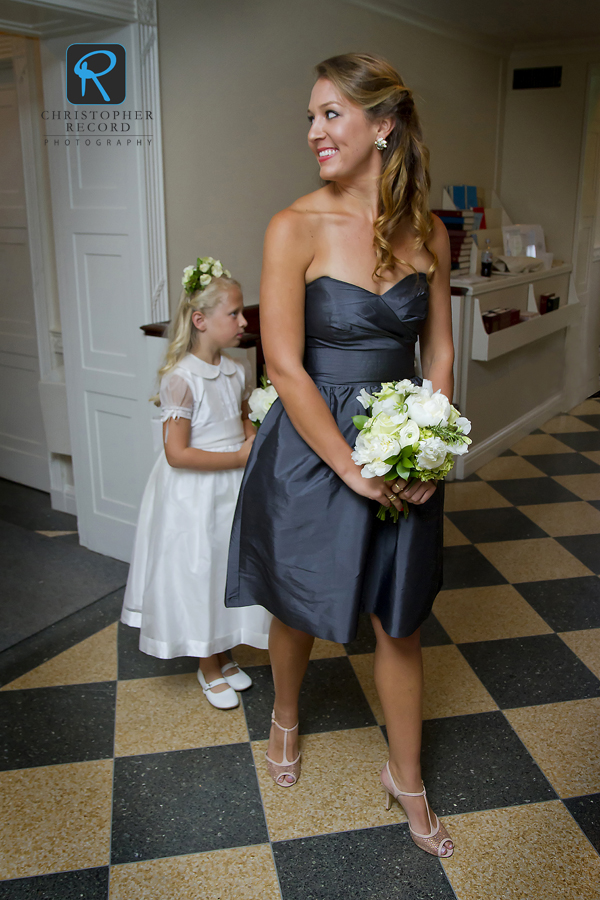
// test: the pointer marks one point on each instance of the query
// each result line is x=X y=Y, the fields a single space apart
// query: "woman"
x=353 y=274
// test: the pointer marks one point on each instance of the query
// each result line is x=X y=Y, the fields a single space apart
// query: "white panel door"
x=23 y=453
x=99 y=215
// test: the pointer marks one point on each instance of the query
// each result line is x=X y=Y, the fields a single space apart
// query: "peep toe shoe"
x=434 y=842
x=279 y=772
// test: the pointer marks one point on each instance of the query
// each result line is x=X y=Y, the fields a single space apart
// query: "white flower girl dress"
x=176 y=586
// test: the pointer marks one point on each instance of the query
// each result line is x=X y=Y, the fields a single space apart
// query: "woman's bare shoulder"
x=298 y=225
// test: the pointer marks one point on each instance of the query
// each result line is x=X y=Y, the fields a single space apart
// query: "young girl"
x=176 y=585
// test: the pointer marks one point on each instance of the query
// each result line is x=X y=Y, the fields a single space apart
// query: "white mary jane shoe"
x=240 y=681
x=227 y=699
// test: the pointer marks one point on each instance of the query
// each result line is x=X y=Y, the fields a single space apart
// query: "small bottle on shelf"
x=486 y=260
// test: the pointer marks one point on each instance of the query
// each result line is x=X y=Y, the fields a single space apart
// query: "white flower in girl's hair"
x=227 y=273
x=204 y=267
x=204 y=280
x=187 y=274
x=217 y=269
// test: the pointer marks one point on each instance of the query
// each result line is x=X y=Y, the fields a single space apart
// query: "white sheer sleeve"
x=176 y=398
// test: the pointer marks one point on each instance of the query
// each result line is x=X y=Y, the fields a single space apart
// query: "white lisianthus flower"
x=391 y=406
x=432 y=453
x=227 y=273
x=464 y=424
x=458 y=449
x=188 y=272
x=260 y=402
x=209 y=259
x=204 y=267
x=409 y=434
x=217 y=269
x=428 y=409
x=204 y=280
x=406 y=387
x=365 y=399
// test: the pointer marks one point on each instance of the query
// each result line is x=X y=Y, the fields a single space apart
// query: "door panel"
x=100 y=228
x=23 y=453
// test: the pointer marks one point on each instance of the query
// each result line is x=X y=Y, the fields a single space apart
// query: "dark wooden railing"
x=251 y=337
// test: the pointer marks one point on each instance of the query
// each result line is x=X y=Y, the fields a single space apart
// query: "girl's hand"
x=414 y=491
x=244 y=451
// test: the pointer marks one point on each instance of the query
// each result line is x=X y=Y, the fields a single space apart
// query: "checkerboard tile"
x=118 y=780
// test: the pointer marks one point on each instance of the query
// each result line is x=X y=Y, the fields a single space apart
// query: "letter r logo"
x=96 y=74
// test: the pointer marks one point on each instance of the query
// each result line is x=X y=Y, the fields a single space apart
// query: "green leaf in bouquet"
x=390 y=476
x=402 y=471
x=360 y=421
x=392 y=460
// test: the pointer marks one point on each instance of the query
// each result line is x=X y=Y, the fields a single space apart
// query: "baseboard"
x=64 y=500
x=493 y=446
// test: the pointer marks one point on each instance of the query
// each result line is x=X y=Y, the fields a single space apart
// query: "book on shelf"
x=464 y=196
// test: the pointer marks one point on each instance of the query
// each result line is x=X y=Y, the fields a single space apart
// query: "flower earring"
x=381 y=143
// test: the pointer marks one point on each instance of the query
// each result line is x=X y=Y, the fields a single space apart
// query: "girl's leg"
x=210 y=666
x=399 y=682
x=289 y=650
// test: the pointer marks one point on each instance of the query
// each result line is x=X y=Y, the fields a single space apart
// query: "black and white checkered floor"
x=119 y=780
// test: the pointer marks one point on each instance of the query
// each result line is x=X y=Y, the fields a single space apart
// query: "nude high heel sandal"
x=435 y=841
x=279 y=771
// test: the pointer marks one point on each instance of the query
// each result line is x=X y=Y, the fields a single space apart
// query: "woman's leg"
x=289 y=650
x=399 y=682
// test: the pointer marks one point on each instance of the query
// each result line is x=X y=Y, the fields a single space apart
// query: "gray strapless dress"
x=304 y=545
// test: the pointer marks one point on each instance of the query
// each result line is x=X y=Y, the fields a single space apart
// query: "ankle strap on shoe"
x=212 y=684
x=281 y=728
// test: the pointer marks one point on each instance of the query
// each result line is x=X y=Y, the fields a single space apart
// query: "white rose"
x=217 y=270
x=463 y=424
x=204 y=267
x=260 y=402
x=409 y=434
x=371 y=451
x=365 y=399
x=428 y=409
x=188 y=271
x=205 y=279
x=432 y=453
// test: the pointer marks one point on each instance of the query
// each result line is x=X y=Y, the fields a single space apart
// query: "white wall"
x=235 y=82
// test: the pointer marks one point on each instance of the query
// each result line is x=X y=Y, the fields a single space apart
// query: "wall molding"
x=435 y=26
x=154 y=181
x=502 y=440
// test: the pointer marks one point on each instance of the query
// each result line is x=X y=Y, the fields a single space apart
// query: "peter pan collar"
x=205 y=370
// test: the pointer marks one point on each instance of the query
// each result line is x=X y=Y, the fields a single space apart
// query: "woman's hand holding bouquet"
x=412 y=433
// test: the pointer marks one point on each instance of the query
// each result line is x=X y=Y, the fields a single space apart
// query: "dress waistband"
x=327 y=365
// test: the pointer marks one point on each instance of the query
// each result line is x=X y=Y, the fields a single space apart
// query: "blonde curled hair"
x=182 y=333
x=375 y=86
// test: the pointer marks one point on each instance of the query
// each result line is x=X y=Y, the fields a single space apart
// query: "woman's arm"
x=181 y=456
x=287 y=255
x=437 y=349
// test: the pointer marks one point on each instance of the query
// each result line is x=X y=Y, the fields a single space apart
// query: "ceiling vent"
x=542 y=77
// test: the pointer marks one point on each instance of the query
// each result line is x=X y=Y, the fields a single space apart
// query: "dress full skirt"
x=303 y=544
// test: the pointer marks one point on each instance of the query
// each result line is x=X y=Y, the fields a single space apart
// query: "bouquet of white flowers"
x=261 y=400
x=412 y=432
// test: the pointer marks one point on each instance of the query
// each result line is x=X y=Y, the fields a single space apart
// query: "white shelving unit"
x=488 y=346
x=511 y=381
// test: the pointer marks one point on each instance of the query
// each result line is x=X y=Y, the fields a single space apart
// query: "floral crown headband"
x=196 y=278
